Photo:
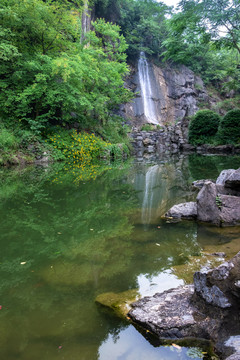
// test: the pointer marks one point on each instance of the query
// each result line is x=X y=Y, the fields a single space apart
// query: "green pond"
x=69 y=234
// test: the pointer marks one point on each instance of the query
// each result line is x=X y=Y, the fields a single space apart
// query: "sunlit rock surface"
x=208 y=309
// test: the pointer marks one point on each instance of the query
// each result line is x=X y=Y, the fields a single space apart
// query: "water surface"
x=65 y=240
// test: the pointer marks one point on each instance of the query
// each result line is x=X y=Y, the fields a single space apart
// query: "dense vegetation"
x=203 y=127
x=229 y=130
x=50 y=78
x=203 y=35
x=207 y=127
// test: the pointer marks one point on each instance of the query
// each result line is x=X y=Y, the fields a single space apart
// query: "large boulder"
x=184 y=211
x=217 y=203
x=207 y=208
x=230 y=179
x=224 y=175
x=233 y=181
x=230 y=210
x=215 y=207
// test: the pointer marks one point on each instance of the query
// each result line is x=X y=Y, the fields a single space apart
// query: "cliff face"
x=176 y=93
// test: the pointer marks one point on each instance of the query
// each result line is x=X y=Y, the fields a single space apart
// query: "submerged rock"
x=119 y=303
x=196 y=263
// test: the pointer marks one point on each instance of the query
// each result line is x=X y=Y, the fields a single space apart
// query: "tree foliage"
x=204 y=35
x=47 y=76
x=219 y=18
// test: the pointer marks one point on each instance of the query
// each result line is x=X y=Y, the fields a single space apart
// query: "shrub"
x=229 y=129
x=148 y=127
x=203 y=127
x=8 y=141
x=82 y=148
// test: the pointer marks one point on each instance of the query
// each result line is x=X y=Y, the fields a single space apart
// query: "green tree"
x=220 y=18
x=48 y=77
x=194 y=39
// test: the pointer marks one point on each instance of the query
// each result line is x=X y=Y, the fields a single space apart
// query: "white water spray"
x=146 y=89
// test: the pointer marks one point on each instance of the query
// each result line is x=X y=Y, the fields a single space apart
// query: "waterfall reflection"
x=151 y=181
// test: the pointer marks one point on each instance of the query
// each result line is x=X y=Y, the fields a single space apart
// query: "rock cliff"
x=176 y=93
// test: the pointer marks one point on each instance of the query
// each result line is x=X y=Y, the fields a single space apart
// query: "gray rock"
x=211 y=294
x=150 y=149
x=233 y=181
x=185 y=312
x=219 y=286
x=207 y=208
x=234 y=343
x=235 y=356
x=219 y=254
x=171 y=314
x=224 y=175
x=230 y=210
x=184 y=211
x=188 y=147
x=198 y=184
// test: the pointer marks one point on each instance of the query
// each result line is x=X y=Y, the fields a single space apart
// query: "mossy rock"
x=119 y=303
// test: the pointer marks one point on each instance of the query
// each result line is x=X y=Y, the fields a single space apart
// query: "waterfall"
x=86 y=20
x=151 y=181
x=146 y=89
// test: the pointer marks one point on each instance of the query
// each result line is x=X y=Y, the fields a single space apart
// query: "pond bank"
x=173 y=139
x=208 y=309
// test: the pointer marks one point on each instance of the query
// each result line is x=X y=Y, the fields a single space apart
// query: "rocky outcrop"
x=217 y=203
x=220 y=286
x=176 y=93
x=208 y=309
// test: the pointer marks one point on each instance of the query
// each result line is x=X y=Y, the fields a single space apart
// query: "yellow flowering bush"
x=77 y=147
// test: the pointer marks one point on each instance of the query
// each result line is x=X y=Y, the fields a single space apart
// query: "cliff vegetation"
x=54 y=75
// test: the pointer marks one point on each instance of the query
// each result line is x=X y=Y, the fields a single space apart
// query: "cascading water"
x=86 y=20
x=151 y=180
x=146 y=89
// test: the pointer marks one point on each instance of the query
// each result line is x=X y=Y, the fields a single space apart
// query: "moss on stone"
x=119 y=303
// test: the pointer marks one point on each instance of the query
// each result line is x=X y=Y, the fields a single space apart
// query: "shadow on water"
x=67 y=236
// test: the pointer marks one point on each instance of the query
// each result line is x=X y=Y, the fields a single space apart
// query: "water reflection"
x=149 y=284
x=121 y=347
x=65 y=242
x=151 y=186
